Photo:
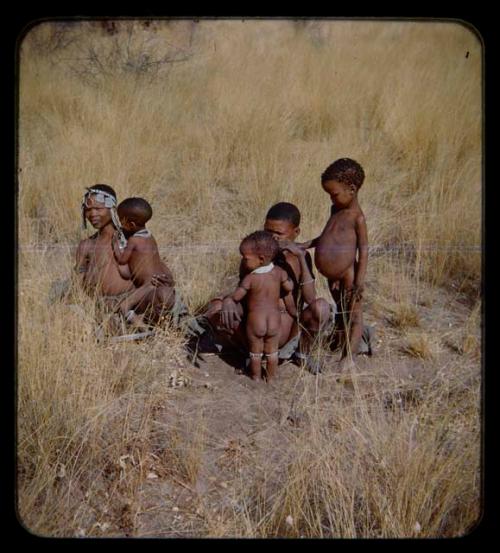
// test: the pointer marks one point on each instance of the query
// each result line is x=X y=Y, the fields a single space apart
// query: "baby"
x=140 y=260
x=341 y=253
x=262 y=288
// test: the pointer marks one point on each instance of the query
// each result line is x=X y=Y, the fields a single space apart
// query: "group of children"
x=276 y=296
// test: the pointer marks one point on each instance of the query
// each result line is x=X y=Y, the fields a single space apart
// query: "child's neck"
x=135 y=231
x=266 y=268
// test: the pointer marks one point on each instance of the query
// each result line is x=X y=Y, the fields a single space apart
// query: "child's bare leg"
x=355 y=326
x=340 y=319
x=255 y=367
x=352 y=323
x=156 y=302
x=256 y=330
x=271 y=343
x=343 y=322
x=271 y=353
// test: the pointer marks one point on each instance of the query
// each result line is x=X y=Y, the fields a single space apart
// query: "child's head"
x=97 y=203
x=342 y=180
x=258 y=249
x=134 y=213
x=283 y=221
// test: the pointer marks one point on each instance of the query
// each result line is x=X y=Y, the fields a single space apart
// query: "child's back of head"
x=136 y=210
x=263 y=244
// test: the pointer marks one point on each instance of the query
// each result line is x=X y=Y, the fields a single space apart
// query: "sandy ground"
x=227 y=426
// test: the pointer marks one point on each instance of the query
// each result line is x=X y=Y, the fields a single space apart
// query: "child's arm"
x=362 y=246
x=242 y=289
x=122 y=257
x=309 y=244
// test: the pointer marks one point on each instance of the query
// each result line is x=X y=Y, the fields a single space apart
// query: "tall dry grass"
x=213 y=122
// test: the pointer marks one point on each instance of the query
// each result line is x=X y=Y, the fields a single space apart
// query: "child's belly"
x=333 y=257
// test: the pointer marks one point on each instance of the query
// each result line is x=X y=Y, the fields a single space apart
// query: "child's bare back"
x=140 y=260
x=144 y=259
x=263 y=301
x=263 y=288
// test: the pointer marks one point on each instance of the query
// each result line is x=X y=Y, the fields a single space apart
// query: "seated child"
x=341 y=253
x=262 y=288
x=140 y=260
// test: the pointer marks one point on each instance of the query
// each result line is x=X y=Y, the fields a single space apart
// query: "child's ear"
x=296 y=231
x=262 y=258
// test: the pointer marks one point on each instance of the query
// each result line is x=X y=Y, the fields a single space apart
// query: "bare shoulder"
x=135 y=242
x=246 y=281
x=86 y=243
x=144 y=242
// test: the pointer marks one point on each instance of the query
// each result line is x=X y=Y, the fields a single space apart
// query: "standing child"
x=341 y=253
x=262 y=288
x=143 y=260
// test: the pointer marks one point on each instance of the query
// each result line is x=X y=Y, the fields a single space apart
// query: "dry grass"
x=421 y=345
x=404 y=316
x=212 y=123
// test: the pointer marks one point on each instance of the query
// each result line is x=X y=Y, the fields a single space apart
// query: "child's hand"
x=161 y=279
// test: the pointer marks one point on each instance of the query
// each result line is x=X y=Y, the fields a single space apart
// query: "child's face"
x=281 y=230
x=340 y=192
x=251 y=260
x=97 y=214
x=128 y=226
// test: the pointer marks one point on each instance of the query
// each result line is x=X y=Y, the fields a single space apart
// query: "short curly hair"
x=135 y=209
x=284 y=211
x=263 y=243
x=345 y=170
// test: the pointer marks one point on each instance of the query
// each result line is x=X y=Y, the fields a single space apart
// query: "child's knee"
x=317 y=313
